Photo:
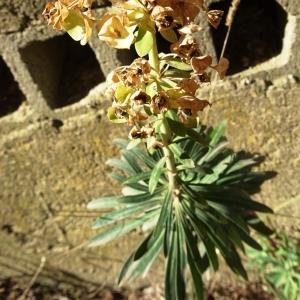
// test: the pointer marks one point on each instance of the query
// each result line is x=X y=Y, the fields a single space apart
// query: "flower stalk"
x=153 y=54
x=170 y=160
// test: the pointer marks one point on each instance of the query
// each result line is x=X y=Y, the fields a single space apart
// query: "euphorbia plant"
x=181 y=183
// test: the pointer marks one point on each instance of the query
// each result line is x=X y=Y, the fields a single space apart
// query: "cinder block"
x=58 y=170
x=11 y=96
x=52 y=70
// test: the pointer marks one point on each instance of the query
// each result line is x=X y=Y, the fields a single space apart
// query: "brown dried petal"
x=201 y=63
x=185 y=11
x=189 y=102
x=214 y=17
x=222 y=67
x=55 y=13
x=190 y=29
x=189 y=85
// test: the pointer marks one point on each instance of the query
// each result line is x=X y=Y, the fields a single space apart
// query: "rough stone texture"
x=52 y=161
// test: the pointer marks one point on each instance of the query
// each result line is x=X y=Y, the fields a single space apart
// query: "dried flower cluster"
x=144 y=90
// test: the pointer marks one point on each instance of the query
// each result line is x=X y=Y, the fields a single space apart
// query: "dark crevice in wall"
x=257 y=33
x=64 y=70
x=11 y=97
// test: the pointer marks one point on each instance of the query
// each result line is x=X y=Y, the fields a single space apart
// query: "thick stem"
x=170 y=160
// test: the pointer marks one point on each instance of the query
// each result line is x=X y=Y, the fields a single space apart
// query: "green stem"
x=170 y=160
x=153 y=54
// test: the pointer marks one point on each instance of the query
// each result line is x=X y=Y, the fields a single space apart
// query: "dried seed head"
x=120 y=113
x=163 y=17
x=186 y=47
x=232 y=12
x=142 y=133
x=160 y=102
x=185 y=11
x=201 y=78
x=214 y=17
x=142 y=65
x=140 y=97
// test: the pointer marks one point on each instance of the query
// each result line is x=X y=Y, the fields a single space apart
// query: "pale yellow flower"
x=73 y=16
x=116 y=31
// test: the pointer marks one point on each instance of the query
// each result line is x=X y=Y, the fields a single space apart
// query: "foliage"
x=279 y=265
x=211 y=213
x=180 y=181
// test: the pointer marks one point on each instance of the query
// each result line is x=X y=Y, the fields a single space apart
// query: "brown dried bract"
x=222 y=67
x=185 y=11
x=140 y=97
x=190 y=29
x=55 y=13
x=160 y=102
x=189 y=85
x=186 y=48
x=142 y=133
x=214 y=17
x=201 y=63
x=163 y=17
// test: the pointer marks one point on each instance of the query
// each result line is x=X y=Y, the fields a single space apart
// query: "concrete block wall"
x=55 y=139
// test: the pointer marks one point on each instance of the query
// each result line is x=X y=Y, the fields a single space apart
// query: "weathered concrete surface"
x=52 y=162
x=47 y=177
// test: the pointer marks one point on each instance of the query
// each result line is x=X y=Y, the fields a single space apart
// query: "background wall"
x=55 y=139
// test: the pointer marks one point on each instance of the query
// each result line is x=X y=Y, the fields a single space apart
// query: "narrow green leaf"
x=142 y=266
x=104 y=202
x=241 y=164
x=116 y=176
x=155 y=175
x=140 y=177
x=217 y=133
x=120 y=164
x=121 y=214
x=131 y=160
x=125 y=268
x=171 y=270
x=197 y=137
x=164 y=214
x=109 y=202
x=169 y=35
x=176 y=126
x=119 y=230
x=178 y=64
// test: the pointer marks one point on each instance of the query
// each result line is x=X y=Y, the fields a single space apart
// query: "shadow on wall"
x=64 y=70
x=257 y=33
x=11 y=96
